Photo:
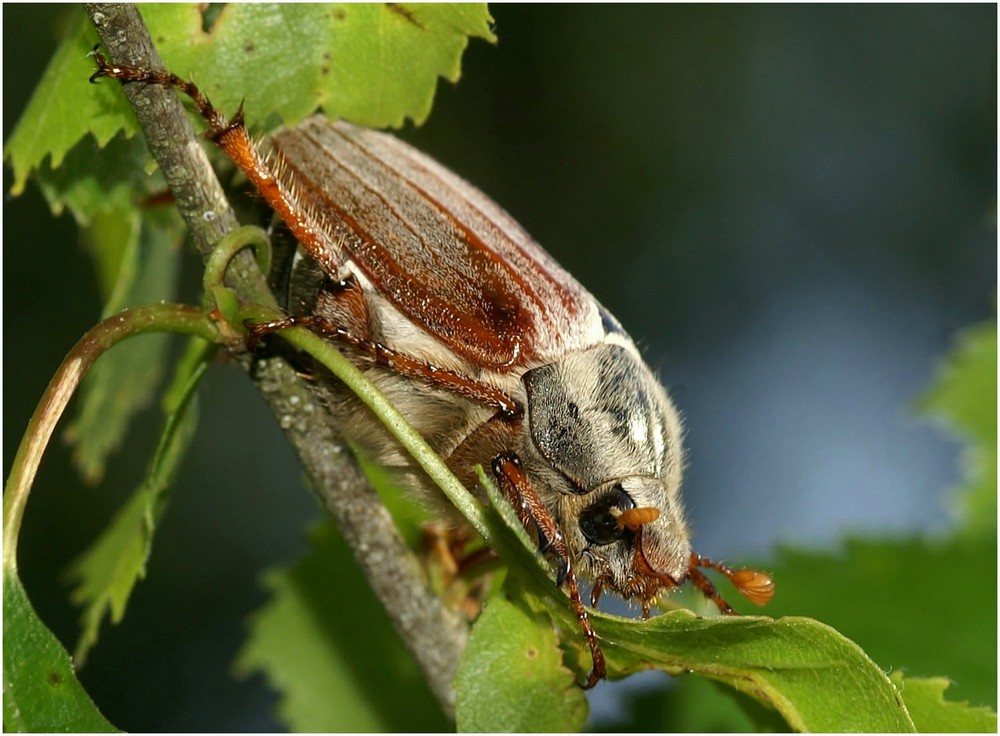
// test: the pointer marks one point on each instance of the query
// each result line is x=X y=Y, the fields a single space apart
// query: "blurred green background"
x=791 y=209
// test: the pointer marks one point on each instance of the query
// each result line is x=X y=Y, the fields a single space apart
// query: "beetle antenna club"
x=493 y=352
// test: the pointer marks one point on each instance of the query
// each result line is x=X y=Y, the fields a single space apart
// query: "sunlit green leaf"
x=926 y=606
x=512 y=677
x=94 y=181
x=40 y=690
x=64 y=108
x=375 y=64
x=933 y=714
x=964 y=399
x=814 y=677
x=965 y=393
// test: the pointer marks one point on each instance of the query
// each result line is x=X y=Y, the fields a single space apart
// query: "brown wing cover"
x=443 y=253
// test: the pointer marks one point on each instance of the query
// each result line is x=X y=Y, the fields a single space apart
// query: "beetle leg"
x=448 y=544
x=469 y=388
x=595 y=592
x=231 y=136
x=706 y=587
x=522 y=496
x=310 y=231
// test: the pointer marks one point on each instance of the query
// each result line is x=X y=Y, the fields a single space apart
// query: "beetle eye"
x=599 y=524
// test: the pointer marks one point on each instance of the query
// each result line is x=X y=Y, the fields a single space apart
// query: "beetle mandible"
x=494 y=353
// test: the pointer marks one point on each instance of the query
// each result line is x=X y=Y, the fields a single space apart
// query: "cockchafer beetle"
x=489 y=348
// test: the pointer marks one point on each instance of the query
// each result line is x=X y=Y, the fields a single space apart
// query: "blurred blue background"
x=790 y=208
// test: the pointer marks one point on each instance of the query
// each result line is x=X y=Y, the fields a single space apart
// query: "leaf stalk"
x=108 y=333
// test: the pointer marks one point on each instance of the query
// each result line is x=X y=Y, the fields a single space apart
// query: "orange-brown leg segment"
x=705 y=586
x=521 y=495
x=405 y=365
x=595 y=592
x=231 y=136
x=453 y=566
x=449 y=545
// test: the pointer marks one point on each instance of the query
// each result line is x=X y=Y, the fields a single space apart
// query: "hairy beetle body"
x=490 y=349
x=595 y=416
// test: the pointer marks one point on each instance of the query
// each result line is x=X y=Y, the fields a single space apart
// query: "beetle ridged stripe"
x=487 y=290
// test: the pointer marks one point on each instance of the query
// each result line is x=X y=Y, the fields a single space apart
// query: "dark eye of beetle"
x=597 y=522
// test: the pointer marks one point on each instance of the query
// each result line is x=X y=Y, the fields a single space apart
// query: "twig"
x=435 y=635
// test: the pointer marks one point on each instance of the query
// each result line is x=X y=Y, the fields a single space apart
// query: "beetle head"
x=631 y=539
x=607 y=441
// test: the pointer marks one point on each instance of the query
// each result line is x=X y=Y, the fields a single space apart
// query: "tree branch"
x=435 y=635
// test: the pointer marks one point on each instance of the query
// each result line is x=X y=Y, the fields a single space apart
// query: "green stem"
x=227 y=300
x=323 y=351
x=235 y=241
x=141 y=320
